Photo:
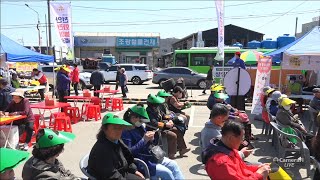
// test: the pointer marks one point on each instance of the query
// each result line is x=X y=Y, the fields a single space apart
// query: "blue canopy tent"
x=15 y=52
x=302 y=54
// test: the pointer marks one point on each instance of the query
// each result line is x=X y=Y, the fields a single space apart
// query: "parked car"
x=190 y=77
x=83 y=76
x=137 y=73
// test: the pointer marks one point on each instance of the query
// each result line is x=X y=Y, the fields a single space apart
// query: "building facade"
x=126 y=47
x=309 y=26
x=165 y=58
x=232 y=33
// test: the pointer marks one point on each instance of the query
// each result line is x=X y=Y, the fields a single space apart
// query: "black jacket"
x=209 y=75
x=108 y=160
x=35 y=169
x=96 y=78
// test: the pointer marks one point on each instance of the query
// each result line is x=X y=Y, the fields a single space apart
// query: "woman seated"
x=315 y=150
x=273 y=107
x=174 y=136
x=21 y=106
x=110 y=158
x=181 y=121
x=44 y=163
x=174 y=104
x=139 y=141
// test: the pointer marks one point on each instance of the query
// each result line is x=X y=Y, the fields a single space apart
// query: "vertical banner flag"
x=262 y=80
x=61 y=12
x=220 y=16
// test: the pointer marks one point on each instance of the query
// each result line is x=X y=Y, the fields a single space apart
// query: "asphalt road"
x=190 y=165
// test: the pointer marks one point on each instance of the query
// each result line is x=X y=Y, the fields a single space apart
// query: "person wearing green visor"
x=44 y=163
x=110 y=158
x=174 y=136
x=170 y=115
x=139 y=141
x=9 y=159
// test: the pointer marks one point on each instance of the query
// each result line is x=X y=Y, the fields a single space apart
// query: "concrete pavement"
x=191 y=165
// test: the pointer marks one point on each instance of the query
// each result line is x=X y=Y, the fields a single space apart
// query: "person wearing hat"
x=273 y=105
x=174 y=104
x=9 y=159
x=44 y=163
x=238 y=62
x=211 y=99
x=139 y=141
x=285 y=116
x=41 y=77
x=5 y=97
x=166 y=113
x=263 y=100
x=315 y=102
x=63 y=83
x=21 y=106
x=174 y=136
x=110 y=158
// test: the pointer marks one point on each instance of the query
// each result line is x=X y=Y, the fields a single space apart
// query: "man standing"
x=123 y=82
x=75 y=78
x=118 y=77
x=238 y=62
x=96 y=80
x=223 y=160
x=5 y=91
x=63 y=83
x=38 y=75
x=209 y=79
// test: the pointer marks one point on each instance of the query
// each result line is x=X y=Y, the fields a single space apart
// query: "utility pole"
x=38 y=26
x=295 y=32
x=45 y=19
x=49 y=27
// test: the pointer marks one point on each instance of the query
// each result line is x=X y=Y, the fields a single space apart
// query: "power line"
x=170 y=21
x=140 y=9
x=281 y=15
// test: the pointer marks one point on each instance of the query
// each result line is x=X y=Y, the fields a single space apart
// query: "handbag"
x=157 y=153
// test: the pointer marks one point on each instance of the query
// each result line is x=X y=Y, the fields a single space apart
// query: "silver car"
x=190 y=77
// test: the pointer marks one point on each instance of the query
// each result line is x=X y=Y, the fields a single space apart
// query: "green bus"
x=199 y=59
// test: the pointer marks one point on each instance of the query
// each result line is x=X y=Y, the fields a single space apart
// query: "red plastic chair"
x=37 y=125
x=108 y=103
x=93 y=112
x=62 y=123
x=96 y=101
x=117 y=104
x=73 y=113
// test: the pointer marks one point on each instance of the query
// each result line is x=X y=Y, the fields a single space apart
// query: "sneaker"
x=25 y=147
x=184 y=151
x=203 y=92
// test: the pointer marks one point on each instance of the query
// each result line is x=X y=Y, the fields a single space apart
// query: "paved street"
x=191 y=165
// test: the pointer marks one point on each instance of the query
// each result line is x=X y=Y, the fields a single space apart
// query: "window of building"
x=182 y=60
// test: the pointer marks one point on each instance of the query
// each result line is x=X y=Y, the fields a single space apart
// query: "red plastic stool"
x=96 y=101
x=108 y=103
x=37 y=125
x=93 y=111
x=62 y=123
x=73 y=113
x=117 y=103
x=53 y=116
x=84 y=108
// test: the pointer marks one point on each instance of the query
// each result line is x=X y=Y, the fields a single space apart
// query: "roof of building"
x=226 y=26
x=118 y=34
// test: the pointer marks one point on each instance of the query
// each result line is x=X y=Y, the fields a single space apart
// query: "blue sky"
x=273 y=18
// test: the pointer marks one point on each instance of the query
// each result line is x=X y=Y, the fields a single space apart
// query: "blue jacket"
x=63 y=82
x=5 y=97
x=139 y=148
x=239 y=63
x=273 y=108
